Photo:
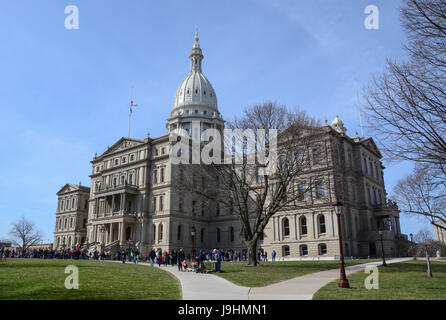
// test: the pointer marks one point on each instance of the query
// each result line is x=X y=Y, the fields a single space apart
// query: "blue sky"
x=64 y=94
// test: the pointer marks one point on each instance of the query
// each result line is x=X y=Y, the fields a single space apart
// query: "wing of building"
x=132 y=203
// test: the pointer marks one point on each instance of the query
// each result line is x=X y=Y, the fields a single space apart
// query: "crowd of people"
x=155 y=257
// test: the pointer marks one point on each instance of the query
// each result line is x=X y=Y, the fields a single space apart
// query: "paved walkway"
x=199 y=286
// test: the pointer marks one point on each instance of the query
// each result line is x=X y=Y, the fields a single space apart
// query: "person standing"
x=218 y=259
x=152 y=256
x=123 y=256
x=181 y=256
x=273 y=255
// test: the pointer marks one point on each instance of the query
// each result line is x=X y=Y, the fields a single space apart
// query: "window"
x=303 y=250
x=179 y=233
x=231 y=232
x=163 y=150
x=286 y=227
x=154 y=204
x=316 y=156
x=299 y=159
x=84 y=223
x=116 y=162
x=285 y=251
x=259 y=175
x=115 y=181
x=161 y=204
x=155 y=176
x=319 y=191
x=162 y=175
x=321 y=220
x=194 y=204
x=154 y=233
x=202 y=235
x=160 y=232
x=322 y=249
x=86 y=204
x=156 y=152
x=123 y=160
x=132 y=157
x=283 y=162
x=300 y=191
x=217 y=210
x=218 y=235
x=303 y=226
x=131 y=178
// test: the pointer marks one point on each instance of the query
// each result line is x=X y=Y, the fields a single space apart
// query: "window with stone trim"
x=322 y=249
x=303 y=250
x=218 y=235
x=321 y=221
x=303 y=226
x=285 y=251
x=286 y=227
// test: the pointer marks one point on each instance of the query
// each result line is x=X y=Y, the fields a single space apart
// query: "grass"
x=272 y=272
x=399 y=281
x=35 y=279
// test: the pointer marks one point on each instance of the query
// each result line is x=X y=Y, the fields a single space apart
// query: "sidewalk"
x=199 y=286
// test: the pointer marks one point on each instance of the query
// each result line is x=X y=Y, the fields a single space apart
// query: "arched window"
x=154 y=233
x=322 y=249
x=179 y=232
x=321 y=220
x=303 y=250
x=231 y=232
x=286 y=227
x=303 y=226
x=218 y=235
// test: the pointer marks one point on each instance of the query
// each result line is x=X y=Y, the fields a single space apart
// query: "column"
x=111 y=231
x=121 y=239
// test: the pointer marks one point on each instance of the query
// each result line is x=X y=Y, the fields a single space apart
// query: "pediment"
x=122 y=144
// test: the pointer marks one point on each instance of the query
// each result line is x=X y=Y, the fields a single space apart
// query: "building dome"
x=195 y=89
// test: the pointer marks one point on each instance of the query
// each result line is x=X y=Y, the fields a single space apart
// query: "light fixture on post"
x=380 y=231
x=192 y=233
x=343 y=282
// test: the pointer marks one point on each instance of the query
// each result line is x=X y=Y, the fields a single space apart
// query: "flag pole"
x=130 y=109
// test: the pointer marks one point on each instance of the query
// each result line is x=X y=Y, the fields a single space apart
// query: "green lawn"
x=31 y=279
x=272 y=272
x=399 y=281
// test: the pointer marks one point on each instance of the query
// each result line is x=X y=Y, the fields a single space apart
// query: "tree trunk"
x=252 y=253
x=429 y=269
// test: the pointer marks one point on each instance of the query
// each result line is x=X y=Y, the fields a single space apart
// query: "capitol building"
x=132 y=204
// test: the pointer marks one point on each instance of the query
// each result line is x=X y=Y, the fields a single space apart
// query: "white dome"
x=195 y=89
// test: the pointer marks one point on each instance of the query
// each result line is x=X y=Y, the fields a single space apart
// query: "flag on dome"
x=133 y=104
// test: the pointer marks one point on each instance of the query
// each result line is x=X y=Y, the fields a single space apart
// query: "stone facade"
x=71 y=216
x=439 y=233
x=133 y=204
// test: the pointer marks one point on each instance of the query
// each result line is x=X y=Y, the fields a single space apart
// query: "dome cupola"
x=195 y=99
x=195 y=89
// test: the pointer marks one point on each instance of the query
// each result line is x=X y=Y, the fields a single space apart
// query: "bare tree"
x=423 y=193
x=407 y=104
x=24 y=233
x=248 y=188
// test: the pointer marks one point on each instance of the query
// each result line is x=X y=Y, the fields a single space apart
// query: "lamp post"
x=343 y=282
x=413 y=247
x=380 y=231
x=192 y=233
